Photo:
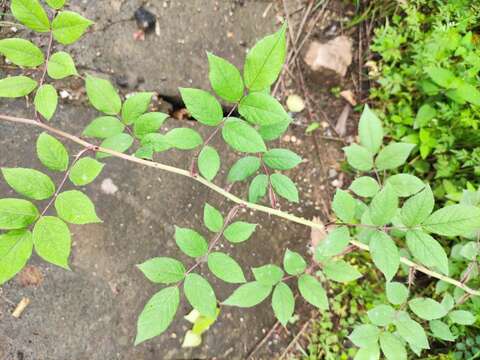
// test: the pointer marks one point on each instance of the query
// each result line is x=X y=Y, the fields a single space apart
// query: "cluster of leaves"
x=427 y=79
x=25 y=227
x=399 y=215
x=392 y=213
x=268 y=279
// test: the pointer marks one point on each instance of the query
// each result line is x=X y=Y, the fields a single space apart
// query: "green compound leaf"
x=158 y=314
x=284 y=187
x=312 y=291
x=243 y=168
x=281 y=159
x=411 y=331
x=31 y=14
x=248 y=295
x=262 y=109
x=21 y=52
x=239 y=231
x=61 y=65
x=365 y=186
x=381 y=315
x=258 y=188
x=341 y=271
x=265 y=61
x=46 y=100
x=427 y=250
x=405 y=184
x=102 y=95
x=358 y=157
x=104 y=127
x=212 y=218
x=462 y=317
x=120 y=143
x=392 y=347
x=225 y=268
x=156 y=141
x=15 y=250
x=183 y=138
x=424 y=115
x=242 y=137
x=52 y=240
x=69 y=26
x=163 y=270
x=190 y=242
x=274 y=131
x=427 y=309
x=136 y=105
x=225 y=78
x=370 y=130
x=294 y=263
x=29 y=182
x=335 y=242
x=208 y=162
x=55 y=4
x=75 y=207
x=384 y=206
x=440 y=330
x=84 y=171
x=442 y=77
x=453 y=220
x=148 y=123
x=344 y=206
x=364 y=335
x=393 y=155
x=283 y=303
x=200 y=295
x=16 y=214
x=268 y=274
x=417 y=208
x=145 y=152
x=371 y=352
x=202 y=106
x=384 y=253
x=397 y=293
x=16 y=86
x=52 y=153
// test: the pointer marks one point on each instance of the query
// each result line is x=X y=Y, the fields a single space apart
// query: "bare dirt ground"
x=90 y=312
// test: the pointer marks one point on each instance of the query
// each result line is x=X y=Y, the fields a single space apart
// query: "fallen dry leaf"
x=348 y=95
x=30 y=276
x=181 y=114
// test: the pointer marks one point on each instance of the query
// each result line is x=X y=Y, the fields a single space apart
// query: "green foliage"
x=68 y=27
x=84 y=171
x=163 y=270
x=16 y=86
x=52 y=153
x=75 y=207
x=202 y=106
x=46 y=99
x=15 y=250
x=387 y=211
x=52 y=240
x=225 y=79
x=225 y=268
x=21 y=52
x=61 y=65
x=31 y=14
x=29 y=182
x=427 y=76
x=208 y=162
